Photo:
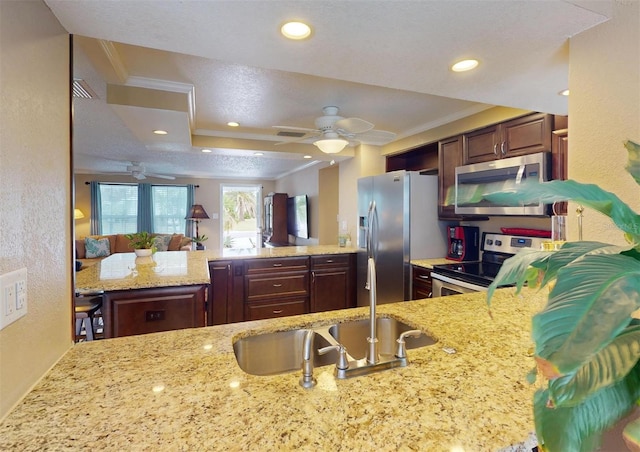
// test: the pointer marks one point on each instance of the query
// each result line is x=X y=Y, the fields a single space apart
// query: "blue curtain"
x=96 y=213
x=145 y=208
x=191 y=199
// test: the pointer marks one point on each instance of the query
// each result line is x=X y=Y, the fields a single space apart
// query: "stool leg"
x=88 y=326
x=78 y=328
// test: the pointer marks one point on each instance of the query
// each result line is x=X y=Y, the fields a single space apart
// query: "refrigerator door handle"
x=372 y=233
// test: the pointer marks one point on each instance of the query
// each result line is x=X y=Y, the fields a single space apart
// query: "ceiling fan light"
x=332 y=145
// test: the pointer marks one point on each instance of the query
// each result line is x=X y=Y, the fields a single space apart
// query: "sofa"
x=93 y=248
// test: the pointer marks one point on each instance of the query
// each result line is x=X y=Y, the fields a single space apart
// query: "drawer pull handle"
x=277 y=285
x=329 y=261
x=277 y=311
x=423 y=277
x=277 y=265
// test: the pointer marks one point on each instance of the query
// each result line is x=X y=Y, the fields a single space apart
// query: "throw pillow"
x=174 y=244
x=161 y=242
x=96 y=247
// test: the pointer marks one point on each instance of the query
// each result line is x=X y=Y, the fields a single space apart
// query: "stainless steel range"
x=465 y=277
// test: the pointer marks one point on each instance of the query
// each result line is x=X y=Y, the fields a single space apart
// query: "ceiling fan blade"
x=161 y=176
x=301 y=129
x=353 y=125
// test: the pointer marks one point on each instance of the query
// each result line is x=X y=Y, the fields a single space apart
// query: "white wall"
x=604 y=111
x=35 y=198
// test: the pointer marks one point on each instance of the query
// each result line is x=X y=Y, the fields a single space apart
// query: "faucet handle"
x=343 y=362
x=401 y=350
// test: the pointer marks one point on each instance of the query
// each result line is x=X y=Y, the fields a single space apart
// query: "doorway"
x=241 y=216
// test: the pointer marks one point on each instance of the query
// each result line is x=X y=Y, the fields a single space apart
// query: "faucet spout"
x=307 y=380
x=372 y=357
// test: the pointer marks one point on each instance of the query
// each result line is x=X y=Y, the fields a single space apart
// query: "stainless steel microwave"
x=515 y=169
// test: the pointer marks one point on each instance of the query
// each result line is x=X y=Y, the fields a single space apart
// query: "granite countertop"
x=125 y=271
x=280 y=251
x=429 y=263
x=182 y=390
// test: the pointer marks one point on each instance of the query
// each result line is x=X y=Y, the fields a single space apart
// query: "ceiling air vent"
x=283 y=133
x=81 y=89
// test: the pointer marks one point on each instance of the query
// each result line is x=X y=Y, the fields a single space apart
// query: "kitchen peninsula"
x=162 y=292
x=183 y=390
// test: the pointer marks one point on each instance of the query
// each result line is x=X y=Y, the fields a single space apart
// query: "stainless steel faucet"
x=372 y=356
x=307 y=380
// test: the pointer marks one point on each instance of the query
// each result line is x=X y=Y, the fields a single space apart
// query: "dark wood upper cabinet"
x=449 y=157
x=525 y=135
x=423 y=158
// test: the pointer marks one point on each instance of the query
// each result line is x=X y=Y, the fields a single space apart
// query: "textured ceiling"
x=382 y=61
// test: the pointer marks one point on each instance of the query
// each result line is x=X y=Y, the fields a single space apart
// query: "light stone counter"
x=182 y=390
x=429 y=263
x=124 y=271
x=280 y=251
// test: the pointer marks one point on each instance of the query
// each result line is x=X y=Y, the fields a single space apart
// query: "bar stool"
x=86 y=307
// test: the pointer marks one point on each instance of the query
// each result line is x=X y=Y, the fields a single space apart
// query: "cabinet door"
x=527 y=135
x=449 y=156
x=220 y=292
x=481 y=145
x=329 y=289
x=421 y=283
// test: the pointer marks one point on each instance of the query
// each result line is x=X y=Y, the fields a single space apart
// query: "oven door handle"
x=457 y=282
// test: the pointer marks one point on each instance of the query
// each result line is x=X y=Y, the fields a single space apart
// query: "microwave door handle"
x=520 y=174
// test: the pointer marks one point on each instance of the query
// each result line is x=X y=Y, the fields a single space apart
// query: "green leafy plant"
x=199 y=238
x=141 y=241
x=587 y=338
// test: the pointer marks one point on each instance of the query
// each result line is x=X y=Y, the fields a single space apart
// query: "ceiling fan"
x=138 y=171
x=336 y=132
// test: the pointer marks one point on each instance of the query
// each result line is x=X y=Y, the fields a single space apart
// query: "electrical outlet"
x=13 y=294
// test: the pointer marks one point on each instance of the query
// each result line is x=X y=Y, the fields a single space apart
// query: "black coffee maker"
x=463 y=243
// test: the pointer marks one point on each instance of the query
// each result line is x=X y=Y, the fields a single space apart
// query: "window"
x=128 y=208
x=169 y=208
x=119 y=208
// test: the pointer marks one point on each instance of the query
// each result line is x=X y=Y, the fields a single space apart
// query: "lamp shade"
x=197 y=212
x=331 y=145
x=77 y=214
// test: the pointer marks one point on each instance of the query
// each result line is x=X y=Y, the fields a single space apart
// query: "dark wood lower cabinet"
x=421 y=283
x=332 y=285
x=142 y=311
x=220 y=292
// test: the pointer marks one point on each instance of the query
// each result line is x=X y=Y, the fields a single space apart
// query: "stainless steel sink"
x=353 y=336
x=276 y=353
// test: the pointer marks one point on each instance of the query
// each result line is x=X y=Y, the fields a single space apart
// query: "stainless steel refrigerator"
x=397 y=222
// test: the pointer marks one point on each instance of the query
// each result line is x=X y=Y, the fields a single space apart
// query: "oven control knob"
x=498 y=242
x=489 y=242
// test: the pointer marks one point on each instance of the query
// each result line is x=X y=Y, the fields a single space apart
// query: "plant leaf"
x=514 y=269
x=589 y=306
x=631 y=435
x=579 y=428
x=633 y=164
x=608 y=366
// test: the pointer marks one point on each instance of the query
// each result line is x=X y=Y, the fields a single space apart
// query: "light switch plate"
x=13 y=294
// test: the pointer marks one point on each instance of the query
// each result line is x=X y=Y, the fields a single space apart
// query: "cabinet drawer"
x=422 y=283
x=258 y=311
x=329 y=260
x=285 y=264
x=261 y=287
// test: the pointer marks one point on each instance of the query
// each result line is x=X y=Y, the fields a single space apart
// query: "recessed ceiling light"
x=206 y=150
x=233 y=124
x=295 y=30
x=258 y=154
x=160 y=132
x=464 y=65
x=564 y=92
x=307 y=157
